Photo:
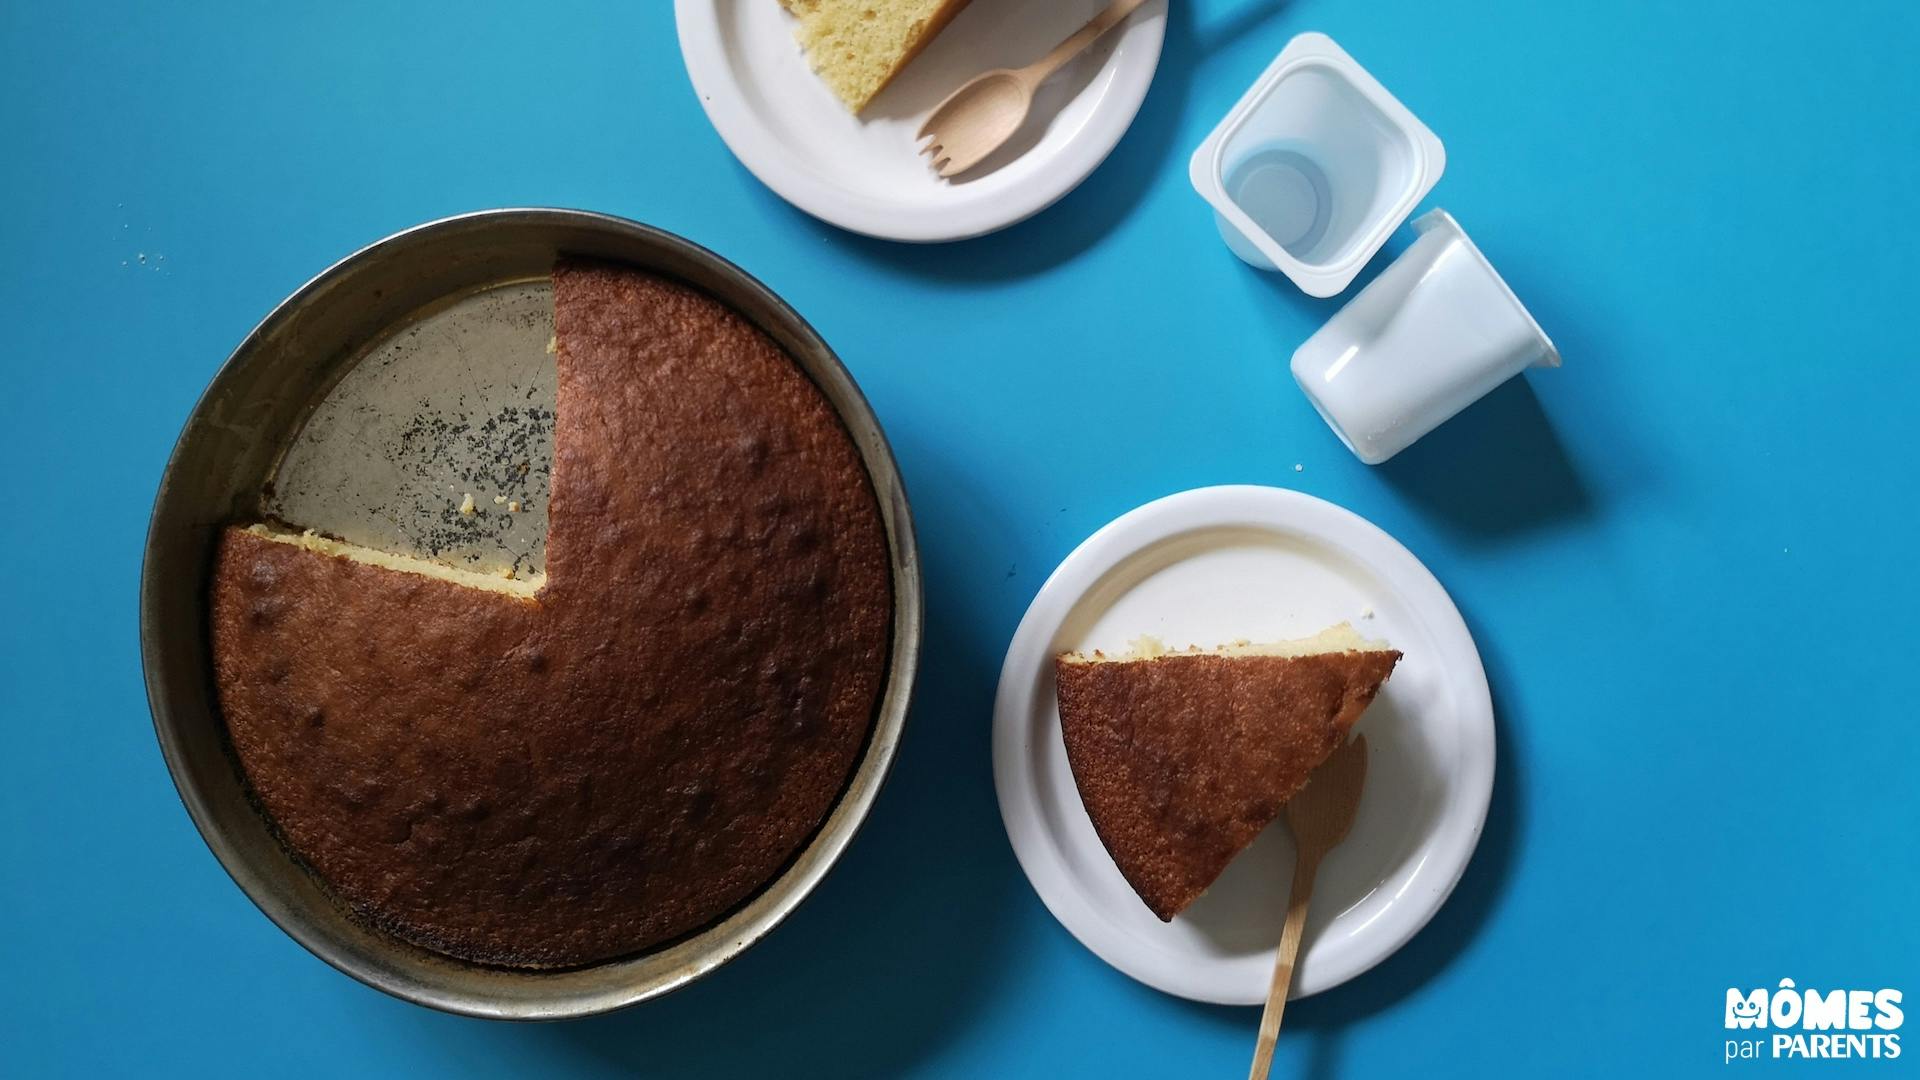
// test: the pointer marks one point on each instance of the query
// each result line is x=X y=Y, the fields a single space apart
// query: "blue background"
x=1687 y=557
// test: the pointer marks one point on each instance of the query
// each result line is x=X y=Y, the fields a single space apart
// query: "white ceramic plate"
x=864 y=174
x=1208 y=566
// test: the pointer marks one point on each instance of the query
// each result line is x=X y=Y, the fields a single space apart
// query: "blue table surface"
x=1687 y=557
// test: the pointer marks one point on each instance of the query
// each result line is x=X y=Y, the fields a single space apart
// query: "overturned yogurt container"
x=1315 y=166
x=1432 y=334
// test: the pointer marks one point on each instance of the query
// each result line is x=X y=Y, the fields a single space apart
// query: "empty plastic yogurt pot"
x=1315 y=167
x=1431 y=335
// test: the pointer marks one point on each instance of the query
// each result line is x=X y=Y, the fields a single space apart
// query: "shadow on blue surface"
x=1496 y=469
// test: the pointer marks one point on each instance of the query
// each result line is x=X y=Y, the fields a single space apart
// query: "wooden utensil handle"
x=1304 y=868
x=1037 y=72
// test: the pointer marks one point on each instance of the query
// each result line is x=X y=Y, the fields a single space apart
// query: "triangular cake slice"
x=858 y=46
x=1183 y=757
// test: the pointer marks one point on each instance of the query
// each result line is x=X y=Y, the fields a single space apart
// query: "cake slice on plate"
x=1183 y=757
x=858 y=46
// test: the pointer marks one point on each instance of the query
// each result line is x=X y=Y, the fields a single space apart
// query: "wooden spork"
x=1319 y=817
x=978 y=118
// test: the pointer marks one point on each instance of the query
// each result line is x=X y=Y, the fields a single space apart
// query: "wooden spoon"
x=983 y=114
x=1319 y=817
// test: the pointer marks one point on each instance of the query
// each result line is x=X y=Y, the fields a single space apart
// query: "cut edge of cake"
x=503 y=581
x=858 y=70
x=1339 y=638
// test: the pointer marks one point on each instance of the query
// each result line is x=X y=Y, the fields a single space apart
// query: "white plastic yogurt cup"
x=1315 y=166
x=1431 y=335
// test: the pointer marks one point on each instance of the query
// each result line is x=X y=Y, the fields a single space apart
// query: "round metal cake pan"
x=227 y=453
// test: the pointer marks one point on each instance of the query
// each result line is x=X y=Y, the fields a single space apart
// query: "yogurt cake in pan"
x=554 y=771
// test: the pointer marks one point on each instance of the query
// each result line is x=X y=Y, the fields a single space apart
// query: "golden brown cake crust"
x=632 y=753
x=1182 y=760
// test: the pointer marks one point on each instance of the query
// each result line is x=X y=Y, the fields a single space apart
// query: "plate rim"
x=1191 y=510
x=747 y=138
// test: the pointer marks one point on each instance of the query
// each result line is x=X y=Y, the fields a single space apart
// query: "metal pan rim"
x=171 y=587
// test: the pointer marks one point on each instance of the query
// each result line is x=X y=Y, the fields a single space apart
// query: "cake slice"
x=858 y=46
x=1183 y=757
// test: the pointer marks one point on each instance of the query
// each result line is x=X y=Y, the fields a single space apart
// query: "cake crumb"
x=499 y=500
x=513 y=507
x=466 y=505
x=553 y=344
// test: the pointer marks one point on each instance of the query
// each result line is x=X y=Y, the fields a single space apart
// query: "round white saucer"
x=1213 y=565
x=864 y=173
